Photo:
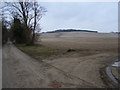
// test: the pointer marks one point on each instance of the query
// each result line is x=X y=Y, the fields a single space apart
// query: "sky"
x=98 y=16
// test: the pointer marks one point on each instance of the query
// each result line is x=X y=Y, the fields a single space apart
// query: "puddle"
x=116 y=64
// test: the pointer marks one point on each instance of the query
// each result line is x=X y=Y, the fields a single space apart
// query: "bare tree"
x=38 y=12
x=29 y=13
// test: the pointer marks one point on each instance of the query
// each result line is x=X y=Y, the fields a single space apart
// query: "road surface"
x=22 y=71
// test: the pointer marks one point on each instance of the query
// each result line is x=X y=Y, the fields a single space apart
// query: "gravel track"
x=22 y=71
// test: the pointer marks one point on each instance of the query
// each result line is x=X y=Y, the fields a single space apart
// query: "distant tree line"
x=71 y=30
x=25 y=17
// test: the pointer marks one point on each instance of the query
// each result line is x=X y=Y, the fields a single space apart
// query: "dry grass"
x=84 y=44
x=57 y=47
x=38 y=51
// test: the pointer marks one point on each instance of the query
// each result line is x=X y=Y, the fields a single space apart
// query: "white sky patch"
x=64 y=0
x=101 y=16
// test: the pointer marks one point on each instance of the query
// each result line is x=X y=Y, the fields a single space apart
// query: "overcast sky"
x=100 y=16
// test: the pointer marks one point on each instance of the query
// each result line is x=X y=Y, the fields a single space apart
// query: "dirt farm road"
x=22 y=71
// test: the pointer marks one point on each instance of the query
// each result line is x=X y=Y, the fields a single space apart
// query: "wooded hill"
x=71 y=30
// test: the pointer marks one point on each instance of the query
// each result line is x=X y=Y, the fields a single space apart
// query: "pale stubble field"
x=85 y=55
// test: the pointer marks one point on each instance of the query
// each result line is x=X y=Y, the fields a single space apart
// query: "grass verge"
x=38 y=51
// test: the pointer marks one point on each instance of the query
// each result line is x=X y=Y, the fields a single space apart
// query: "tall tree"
x=17 y=31
x=37 y=15
x=29 y=13
x=4 y=32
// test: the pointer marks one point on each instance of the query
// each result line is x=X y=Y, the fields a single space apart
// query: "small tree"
x=4 y=32
x=17 y=31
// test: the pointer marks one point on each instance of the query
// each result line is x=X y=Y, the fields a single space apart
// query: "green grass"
x=38 y=51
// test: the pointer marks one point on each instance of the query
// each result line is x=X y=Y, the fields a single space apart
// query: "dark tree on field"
x=4 y=32
x=18 y=31
x=29 y=13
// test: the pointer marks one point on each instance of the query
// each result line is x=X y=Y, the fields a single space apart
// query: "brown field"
x=102 y=44
x=89 y=52
x=81 y=41
x=68 y=59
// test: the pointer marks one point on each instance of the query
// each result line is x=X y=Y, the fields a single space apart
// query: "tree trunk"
x=33 y=37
